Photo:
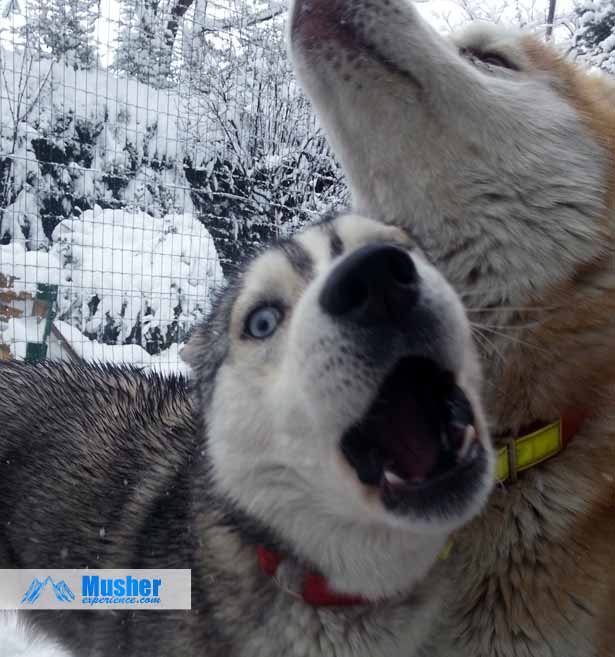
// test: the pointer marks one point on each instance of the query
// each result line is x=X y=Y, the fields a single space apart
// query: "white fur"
x=17 y=640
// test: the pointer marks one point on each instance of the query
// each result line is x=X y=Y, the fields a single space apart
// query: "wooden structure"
x=40 y=306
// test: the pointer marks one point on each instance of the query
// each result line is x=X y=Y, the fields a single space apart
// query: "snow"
x=166 y=362
x=608 y=44
x=119 y=269
x=20 y=331
x=29 y=267
x=595 y=39
x=147 y=118
x=138 y=266
x=207 y=141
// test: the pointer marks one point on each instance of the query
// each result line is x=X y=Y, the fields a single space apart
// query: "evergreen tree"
x=144 y=49
x=594 y=41
x=65 y=29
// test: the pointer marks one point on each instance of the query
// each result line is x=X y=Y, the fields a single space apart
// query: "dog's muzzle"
x=417 y=442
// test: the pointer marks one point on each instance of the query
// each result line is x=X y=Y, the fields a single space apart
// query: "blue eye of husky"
x=263 y=322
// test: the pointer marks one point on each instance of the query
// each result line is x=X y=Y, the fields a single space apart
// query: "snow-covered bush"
x=63 y=30
x=118 y=143
x=594 y=41
x=74 y=139
x=131 y=278
x=244 y=206
x=124 y=277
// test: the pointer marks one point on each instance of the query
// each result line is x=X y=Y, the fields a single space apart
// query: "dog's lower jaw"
x=379 y=572
x=374 y=561
x=367 y=551
x=394 y=626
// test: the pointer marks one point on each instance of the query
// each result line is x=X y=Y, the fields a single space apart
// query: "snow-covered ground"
x=19 y=332
x=167 y=361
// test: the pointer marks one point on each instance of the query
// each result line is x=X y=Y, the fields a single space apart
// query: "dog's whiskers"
x=515 y=309
x=511 y=338
x=505 y=327
x=485 y=344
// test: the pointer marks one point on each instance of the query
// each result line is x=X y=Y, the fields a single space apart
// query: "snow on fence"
x=145 y=147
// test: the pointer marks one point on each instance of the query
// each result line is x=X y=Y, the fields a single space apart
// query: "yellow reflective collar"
x=519 y=454
x=525 y=452
x=446 y=550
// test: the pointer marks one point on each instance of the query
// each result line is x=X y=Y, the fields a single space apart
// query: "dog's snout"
x=375 y=284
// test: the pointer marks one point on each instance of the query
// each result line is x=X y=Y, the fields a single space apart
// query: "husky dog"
x=500 y=158
x=335 y=428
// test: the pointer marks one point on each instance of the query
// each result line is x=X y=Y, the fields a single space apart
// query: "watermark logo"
x=128 y=590
x=61 y=591
x=95 y=589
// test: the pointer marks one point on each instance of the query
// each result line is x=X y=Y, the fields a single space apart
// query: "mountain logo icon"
x=61 y=591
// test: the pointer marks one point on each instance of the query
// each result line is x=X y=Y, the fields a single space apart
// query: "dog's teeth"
x=393 y=479
x=469 y=437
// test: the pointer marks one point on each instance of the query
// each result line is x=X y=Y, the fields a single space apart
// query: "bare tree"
x=538 y=15
x=275 y=9
x=550 y=19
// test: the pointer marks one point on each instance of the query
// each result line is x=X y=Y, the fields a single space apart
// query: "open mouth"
x=417 y=443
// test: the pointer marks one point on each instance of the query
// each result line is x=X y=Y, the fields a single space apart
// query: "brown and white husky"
x=500 y=157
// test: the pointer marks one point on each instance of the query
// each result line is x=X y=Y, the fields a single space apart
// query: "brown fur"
x=546 y=544
x=549 y=579
x=592 y=96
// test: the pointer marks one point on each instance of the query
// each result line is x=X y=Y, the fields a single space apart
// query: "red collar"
x=570 y=423
x=315 y=590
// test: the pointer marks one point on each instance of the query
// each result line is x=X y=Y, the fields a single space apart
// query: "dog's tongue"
x=409 y=440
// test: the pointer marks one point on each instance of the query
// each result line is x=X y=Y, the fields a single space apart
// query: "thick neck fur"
x=260 y=616
x=569 y=360
x=563 y=359
x=544 y=308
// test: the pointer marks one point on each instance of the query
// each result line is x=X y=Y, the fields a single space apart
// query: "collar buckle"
x=524 y=452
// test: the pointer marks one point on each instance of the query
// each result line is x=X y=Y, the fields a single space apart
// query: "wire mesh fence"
x=145 y=147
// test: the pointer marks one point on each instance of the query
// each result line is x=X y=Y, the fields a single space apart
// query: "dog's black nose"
x=377 y=283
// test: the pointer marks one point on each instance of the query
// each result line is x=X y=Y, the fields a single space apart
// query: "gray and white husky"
x=334 y=423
